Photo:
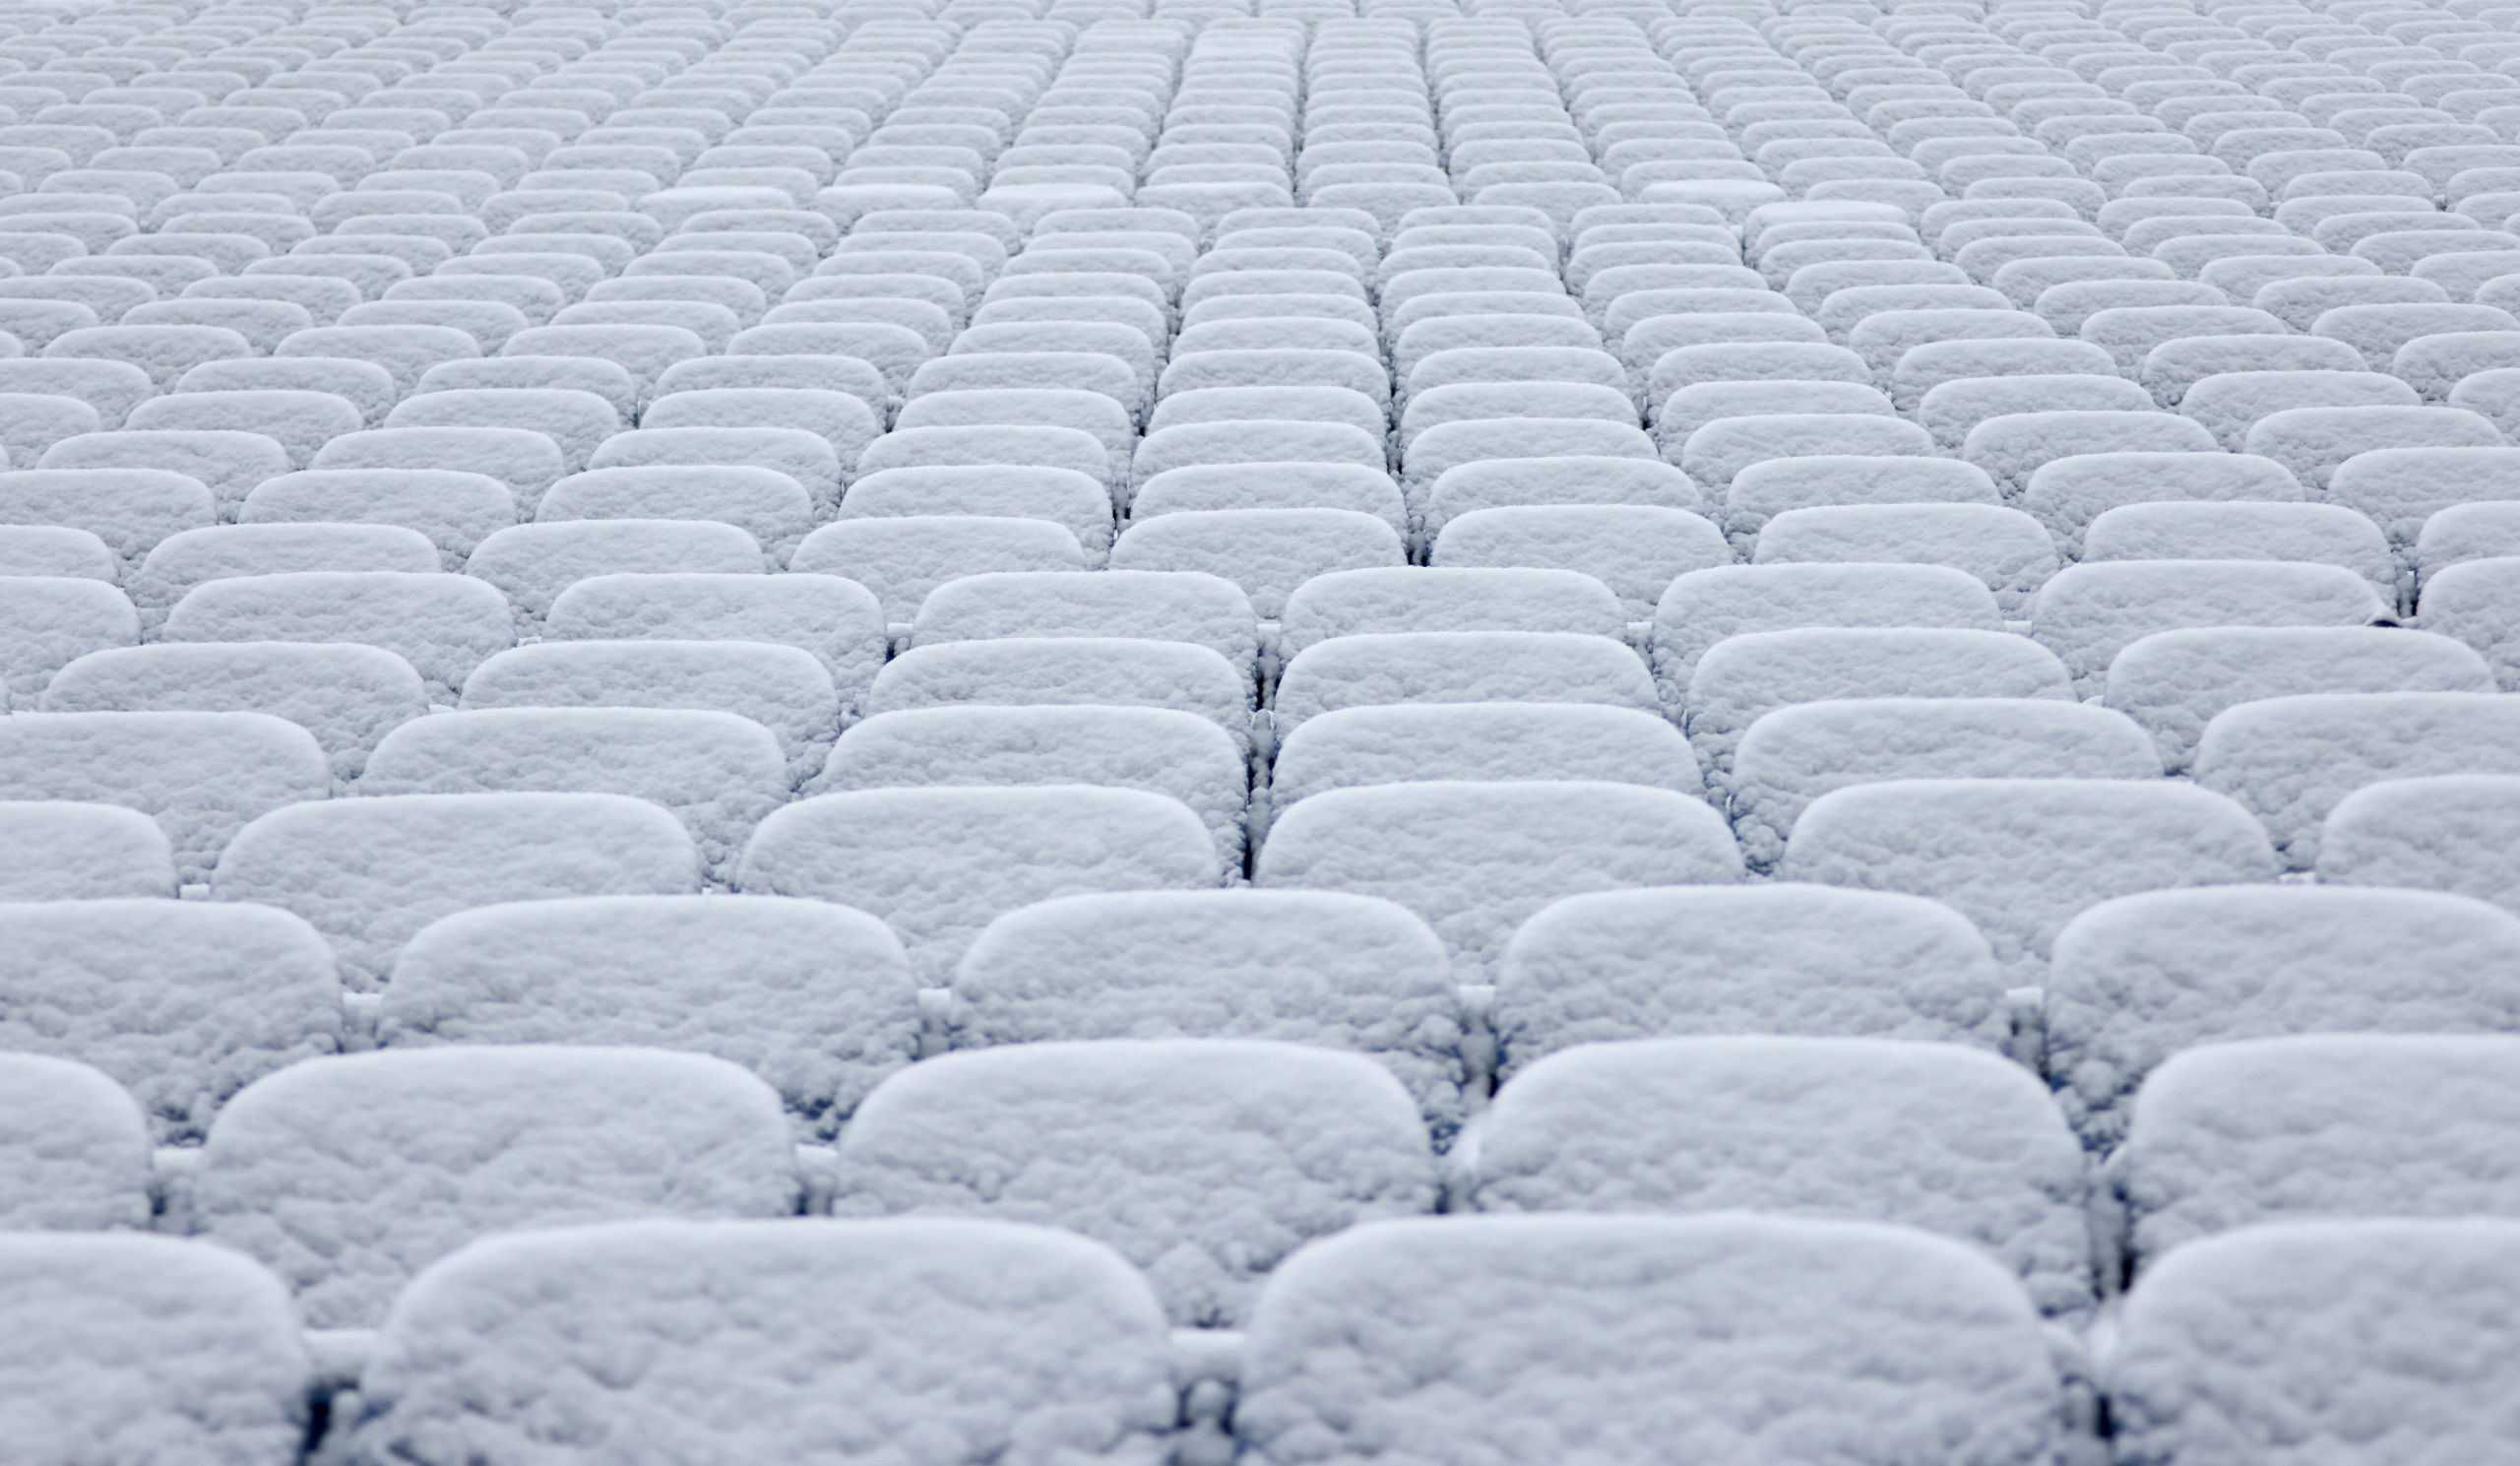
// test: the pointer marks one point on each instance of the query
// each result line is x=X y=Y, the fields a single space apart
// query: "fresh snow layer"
x=815 y=998
x=1776 y=958
x=1204 y=1161
x=1750 y=1339
x=180 y=1003
x=73 y=1154
x=815 y=1342
x=148 y=1349
x=2226 y=1135
x=1322 y=968
x=2322 y=1343
x=1938 y=1136
x=346 y=1175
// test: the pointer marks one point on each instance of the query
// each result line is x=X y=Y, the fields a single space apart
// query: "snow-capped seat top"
x=2321 y=1126
x=173 y=1346
x=2447 y=832
x=815 y=998
x=202 y=776
x=2175 y=682
x=1475 y=859
x=901 y=558
x=346 y=1175
x=1190 y=607
x=72 y=1145
x=2307 y=1322
x=1606 y=1331
x=1743 y=677
x=1069 y=1337
x=1107 y=1138
x=56 y=850
x=1800 y=1126
x=2291 y=760
x=2021 y=856
x=2090 y=613
x=938 y=863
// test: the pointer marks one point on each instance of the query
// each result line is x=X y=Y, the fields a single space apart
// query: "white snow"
x=792 y=1340
x=815 y=998
x=1746 y=676
x=1753 y=1338
x=2226 y=1135
x=938 y=865
x=368 y=873
x=202 y=776
x=147 y=1348
x=1473 y=859
x=2020 y=856
x=1937 y=1136
x=1204 y=1161
x=73 y=1154
x=2292 y=760
x=346 y=1175
x=2448 y=832
x=2314 y=1342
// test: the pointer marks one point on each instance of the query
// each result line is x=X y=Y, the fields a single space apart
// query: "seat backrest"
x=2293 y=760
x=1071 y=1337
x=2319 y=1125
x=784 y=688
x=182 y=1004
x=72 y=1149
x=1752 y=959
x=1743 y=677
x=1473 y=859
x=836 y=619
x=1300 y=1142
x=2090 y=613
x=2448 y=832
x=1191 y=607
x=443 y=626
x=2175 y=682
x=1402 y=742
x=202 y=776
x=1803 y=1126
x=2304 y=1323
x=1601 y=1331
x=139 y=1346
x=1454 y=666
x=2021 y=856
x=815 y=998
x=56 y=850
x=938 y=863
x=1327 y=969
x=346 y=1175
x=1352 y=603
x=1795 y=754
x=368 y=873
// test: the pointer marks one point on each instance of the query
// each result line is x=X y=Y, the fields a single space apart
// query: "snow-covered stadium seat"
x=1704 y=606
x=2175 y=682
x=2378 y=1339
x=182 y=1004
x=1792 y=755
x=1202 y=609
x=2448 y=832
x=1071 y=1337
x=138 y=1346
x=939 y=864
x=73 y=1147
x=785 y=688
x=1178 y=754
x=370 y=872
x=346 y=1175
x=1454 y=666
x=1321 y=968
x=1597 y=1341
x=902 y=560
x=48 y=621
x=1405 y=744
x=202 y=776
x=2292 y=760
x=1743 y=677
x=1202 y=1161
x=815 y=998
x=443 y=626
x=2321 y=1126
x=1475 y=859
x=1355 y=602
x=53 y=850
x=718 y=773
x=1692 y=1124
x=2089 y=613
x=2020 y=856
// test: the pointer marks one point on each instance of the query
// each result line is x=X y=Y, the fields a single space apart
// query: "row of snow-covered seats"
x=820 y=1003
x=1765 y=1337
x=1001 y=295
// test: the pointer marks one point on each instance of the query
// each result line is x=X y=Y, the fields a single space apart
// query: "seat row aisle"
x=1501 y=733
